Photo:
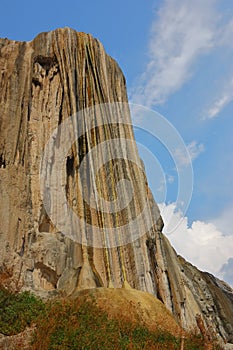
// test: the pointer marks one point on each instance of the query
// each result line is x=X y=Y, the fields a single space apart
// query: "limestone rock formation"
x=63 y=98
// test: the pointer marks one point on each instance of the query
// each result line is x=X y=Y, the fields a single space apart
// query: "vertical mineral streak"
x=43 y=83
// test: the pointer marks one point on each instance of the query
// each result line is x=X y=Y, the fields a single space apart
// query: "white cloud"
x=182 y=31
x=201 y=243
x=225 y=98
x=224 y=221
x=194 y=150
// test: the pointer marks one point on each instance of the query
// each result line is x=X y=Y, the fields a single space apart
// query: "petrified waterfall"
x=76 y=211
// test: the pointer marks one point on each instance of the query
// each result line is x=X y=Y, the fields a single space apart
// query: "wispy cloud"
x=225 y=98
x=223 y=42
x=194 y=150
x=182 y=31
x=225 y=34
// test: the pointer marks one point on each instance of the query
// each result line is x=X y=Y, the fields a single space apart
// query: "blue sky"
x=177 y=59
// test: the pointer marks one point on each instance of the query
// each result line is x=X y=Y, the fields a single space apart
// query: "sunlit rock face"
x=76 y=211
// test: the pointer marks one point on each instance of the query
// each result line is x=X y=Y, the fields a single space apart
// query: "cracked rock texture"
x=43 y=246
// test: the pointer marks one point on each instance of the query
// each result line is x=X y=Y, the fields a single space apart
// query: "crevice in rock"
x=70 y=166
x=36 y=82
x=70 y=172
x=45 y=62
x=47 y=273
x=170 y=291
x=21 y=253
x=45 y=224
x=2 y=162
x=151 y=250
x=29 y=108
x=60 y=110
x=32 y=238
x=97 y=279
x=82 y=147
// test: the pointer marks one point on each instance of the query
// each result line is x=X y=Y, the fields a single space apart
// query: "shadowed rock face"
x=51 y=243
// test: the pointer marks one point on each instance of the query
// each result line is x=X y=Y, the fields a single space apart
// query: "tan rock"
x=43 y=246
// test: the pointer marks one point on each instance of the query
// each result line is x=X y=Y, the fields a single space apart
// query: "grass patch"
x=69 y=325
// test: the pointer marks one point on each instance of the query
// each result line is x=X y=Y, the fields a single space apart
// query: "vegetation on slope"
x=80 y=324
x=17 y=311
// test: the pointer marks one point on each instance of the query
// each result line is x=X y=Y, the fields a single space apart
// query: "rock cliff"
x=76 y=211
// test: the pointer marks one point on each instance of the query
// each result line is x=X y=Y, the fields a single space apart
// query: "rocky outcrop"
x=76 y=211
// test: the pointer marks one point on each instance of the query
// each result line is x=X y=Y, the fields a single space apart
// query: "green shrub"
x=18 y=311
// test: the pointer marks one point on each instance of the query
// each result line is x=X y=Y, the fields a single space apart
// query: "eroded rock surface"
x=43 y=83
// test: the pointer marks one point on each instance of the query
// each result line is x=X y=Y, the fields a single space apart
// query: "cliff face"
x=75 y=209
